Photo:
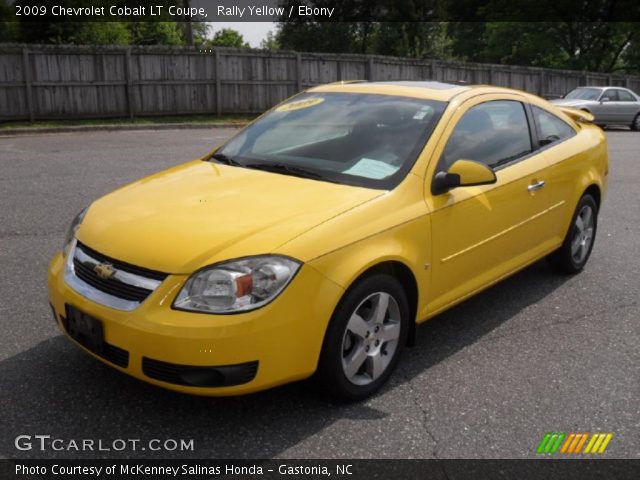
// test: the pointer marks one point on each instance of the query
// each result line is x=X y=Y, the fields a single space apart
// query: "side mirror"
x=463 y=173
x=605 y=99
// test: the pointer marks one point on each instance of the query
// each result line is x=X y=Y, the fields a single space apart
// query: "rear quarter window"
x=624 y=96
x=551 y=129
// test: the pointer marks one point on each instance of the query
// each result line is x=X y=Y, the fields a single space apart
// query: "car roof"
x=431 y=90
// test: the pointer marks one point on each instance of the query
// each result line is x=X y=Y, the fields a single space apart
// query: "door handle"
x=536 y=186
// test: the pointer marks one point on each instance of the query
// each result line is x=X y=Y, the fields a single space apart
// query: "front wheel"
x=635 y=125
x=572 y=256
x=364 y=339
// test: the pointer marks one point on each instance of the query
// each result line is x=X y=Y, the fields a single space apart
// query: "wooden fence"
x=66 y=82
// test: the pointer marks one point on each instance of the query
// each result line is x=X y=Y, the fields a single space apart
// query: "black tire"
x=635 y=125
x=331 y=373
x=564 y=260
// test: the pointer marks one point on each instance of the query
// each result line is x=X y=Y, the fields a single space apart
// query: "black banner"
x=322 y=10
x=341 y=469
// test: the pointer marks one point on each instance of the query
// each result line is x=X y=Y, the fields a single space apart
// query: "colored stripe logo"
x=574 y=443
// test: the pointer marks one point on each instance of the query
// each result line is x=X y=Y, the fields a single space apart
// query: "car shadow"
x=56 y=389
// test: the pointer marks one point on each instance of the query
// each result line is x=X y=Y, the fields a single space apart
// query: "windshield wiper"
x=222 y=158
x=284 y=169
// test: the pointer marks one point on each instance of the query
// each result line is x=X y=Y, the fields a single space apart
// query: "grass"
x=212 y=119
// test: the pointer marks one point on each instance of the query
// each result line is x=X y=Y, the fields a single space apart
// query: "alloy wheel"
x=583 y=234
x=371 y=338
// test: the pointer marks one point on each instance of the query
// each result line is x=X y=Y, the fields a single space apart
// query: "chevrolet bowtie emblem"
x=104 y=270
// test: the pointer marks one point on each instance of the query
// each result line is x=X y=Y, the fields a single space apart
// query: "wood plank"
x=218 y=83
x=62 y=81
x=26 y=65
x=129 y=83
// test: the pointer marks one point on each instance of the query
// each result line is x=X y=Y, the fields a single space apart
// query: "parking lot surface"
x=536 y=353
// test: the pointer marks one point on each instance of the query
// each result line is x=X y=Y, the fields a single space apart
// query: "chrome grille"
x=124 y=287
x=84 y=271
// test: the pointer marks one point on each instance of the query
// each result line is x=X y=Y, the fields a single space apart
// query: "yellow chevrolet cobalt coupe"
x=315 y=239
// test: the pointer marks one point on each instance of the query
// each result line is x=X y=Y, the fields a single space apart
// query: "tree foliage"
x=594 y=46
x=227 y=37
x=159 y=30
x=591 y=37
x=9 y=31
x=587 y=34
x=603 y=46
x=270 y=41
x=157 y=33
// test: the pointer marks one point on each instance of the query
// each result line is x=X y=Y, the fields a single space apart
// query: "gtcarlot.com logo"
x=47 y=442
x=574 y=443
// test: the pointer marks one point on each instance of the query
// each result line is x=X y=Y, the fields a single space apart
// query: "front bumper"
x=282 y=339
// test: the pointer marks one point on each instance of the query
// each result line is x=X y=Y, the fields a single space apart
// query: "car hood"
x=572 y=103
x=200 y=213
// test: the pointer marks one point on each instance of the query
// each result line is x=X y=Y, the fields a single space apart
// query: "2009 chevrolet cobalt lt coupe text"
x=320 y=235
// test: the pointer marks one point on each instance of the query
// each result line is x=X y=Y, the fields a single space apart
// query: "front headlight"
x=71 y=233
x=237 y=285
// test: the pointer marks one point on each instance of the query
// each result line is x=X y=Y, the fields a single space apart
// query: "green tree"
x=9 y=31
x=411 y=39
x=587 y=35
x=200 y=32
x=49 y=29
x=318 y=37
x=227 y=37
x=157 y=33
x=595 y=46
x=89 y=33
x=270 y=42
x=399 y=27
x=631 y=56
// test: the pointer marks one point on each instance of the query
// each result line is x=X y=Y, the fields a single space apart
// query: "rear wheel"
x=365 y=337
x=574 y=253
x=635 y=125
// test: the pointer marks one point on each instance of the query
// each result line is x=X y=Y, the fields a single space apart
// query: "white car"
x=609 y=105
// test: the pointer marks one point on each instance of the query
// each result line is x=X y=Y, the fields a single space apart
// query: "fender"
x=345 y=265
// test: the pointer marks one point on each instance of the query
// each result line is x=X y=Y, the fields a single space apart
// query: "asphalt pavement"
x=536 y=353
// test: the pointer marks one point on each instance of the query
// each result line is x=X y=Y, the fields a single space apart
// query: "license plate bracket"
x=85 y=329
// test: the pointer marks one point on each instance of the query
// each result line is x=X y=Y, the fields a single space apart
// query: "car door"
x=628 y=106
x=560 y=144
x=606 y=109
x=482 y=233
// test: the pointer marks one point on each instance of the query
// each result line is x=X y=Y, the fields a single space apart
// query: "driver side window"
x=493 y=133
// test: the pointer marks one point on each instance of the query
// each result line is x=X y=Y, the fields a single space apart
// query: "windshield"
x=583 y=94
x=357 y=139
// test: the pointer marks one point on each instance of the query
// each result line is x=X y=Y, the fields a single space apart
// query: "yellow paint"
x=607 y=439
x=306 y=103
x=577 y=115
x=596 y=445
x=472 y=173
x=503 y=232
x=200 y=213
x=591 y=443
x=583 y=438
